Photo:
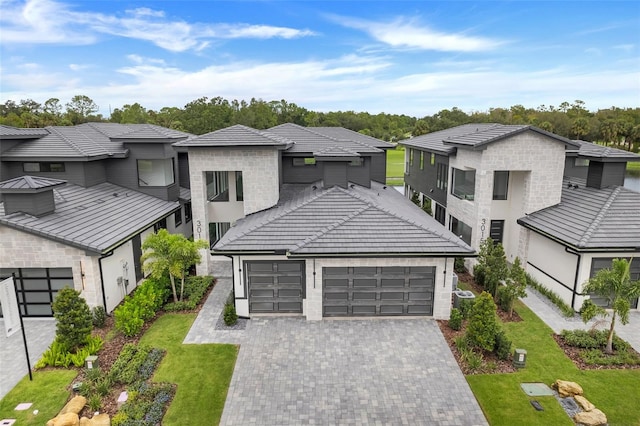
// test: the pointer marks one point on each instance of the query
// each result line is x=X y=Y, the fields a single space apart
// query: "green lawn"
x=633 y=166
x=615 y=392
x=395 y=167
x=202 y=372
x=48 y=393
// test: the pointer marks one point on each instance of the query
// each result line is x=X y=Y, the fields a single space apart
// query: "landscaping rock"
x=98 y=420
x=566 y=388
x=594 y=417
x=584 y=403
x=76 y=405
x=66 y=419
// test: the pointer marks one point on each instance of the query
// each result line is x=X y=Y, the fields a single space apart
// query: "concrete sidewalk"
x=550 y=314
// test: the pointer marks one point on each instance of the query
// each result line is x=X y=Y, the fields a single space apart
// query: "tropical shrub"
x=128 y=318
x=73 y=318
x=483 y=323
x=57 y=355
x=465 y=306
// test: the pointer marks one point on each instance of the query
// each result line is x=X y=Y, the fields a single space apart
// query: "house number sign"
x=199 y=229
x=482 y=229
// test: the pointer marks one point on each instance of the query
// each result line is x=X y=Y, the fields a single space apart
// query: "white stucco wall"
x=119 y=264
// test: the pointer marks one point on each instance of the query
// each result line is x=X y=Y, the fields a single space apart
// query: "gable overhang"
x=482 y=145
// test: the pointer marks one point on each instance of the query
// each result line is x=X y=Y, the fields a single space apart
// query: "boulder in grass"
x=97 y=420
x=66 y=419
x=566 y=388
x=584 y=403
x=594 y=417
x=75 y=405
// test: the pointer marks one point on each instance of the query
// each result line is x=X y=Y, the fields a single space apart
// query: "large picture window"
x=155 y=172
x=461 y=229
x=442 y=176
x=464 y=184
x=216 y=231
x=500 y=185
x=217 y=186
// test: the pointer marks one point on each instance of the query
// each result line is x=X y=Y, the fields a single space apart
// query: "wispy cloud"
x=625 y=47
x=409 y=33
x=52 y=22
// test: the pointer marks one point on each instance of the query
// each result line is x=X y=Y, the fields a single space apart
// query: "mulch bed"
x=574 y=354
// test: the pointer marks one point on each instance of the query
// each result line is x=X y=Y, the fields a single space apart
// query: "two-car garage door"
x=378 y=291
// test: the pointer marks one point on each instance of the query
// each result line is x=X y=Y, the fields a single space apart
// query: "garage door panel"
x=373 y=291
x=275 y=286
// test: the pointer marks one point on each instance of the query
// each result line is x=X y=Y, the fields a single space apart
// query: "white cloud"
x=79 y=67
x=52 y=22
x=409 y=33
x=625 y=47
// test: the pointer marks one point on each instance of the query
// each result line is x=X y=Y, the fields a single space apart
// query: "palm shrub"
x=483 y=323
x=73 y=319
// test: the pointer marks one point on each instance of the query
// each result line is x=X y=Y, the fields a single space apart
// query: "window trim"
x=221 y=186
x=455 y=189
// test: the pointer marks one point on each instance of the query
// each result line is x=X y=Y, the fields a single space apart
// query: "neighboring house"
x=305 y=218
x=557 y=204
x=77 y=203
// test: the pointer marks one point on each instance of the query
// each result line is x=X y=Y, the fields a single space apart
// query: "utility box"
x=519 y=358
x=454 y=282
x=91 y=362
x=460 y=295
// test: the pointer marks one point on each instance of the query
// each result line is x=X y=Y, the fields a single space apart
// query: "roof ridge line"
x=265 y=133
x=600 y=217
x=73 y=145
x=331 y=227
x=279 y=215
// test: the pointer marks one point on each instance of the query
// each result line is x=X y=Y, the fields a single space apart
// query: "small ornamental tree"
x=156 y=259
x=496 y=269
x=73 y=319
x=515 y=285
x=615 y=285
x=483 y=323
x=185 y=254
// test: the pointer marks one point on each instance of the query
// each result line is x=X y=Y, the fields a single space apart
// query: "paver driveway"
x=388 y=372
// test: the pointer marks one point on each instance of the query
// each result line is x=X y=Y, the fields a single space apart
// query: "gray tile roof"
x=10 y=132
x=24 y=184
x=95 y=218
x=338 y=221
x=594 y=151
x=142 y=132
x=474 y=136
x=237 y=136
x=312 y=140
x=590 y=218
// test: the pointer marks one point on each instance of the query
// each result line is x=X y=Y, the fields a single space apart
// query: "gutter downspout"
x=104 y=296
x=575 y=279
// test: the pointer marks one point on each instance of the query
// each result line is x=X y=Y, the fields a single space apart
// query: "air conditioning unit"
x=460 y=295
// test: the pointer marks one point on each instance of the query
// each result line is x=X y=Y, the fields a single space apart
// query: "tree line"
x=619 y=126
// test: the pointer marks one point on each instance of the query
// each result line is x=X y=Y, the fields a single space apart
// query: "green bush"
x=503 y=298
x=126 y=367
x=502 y=347
x=57 y=355
x=458 y=265
x=183 y=305
x=196 y=287
x=465 y=306
x=473 y=360
x=94 y=402
x=455 y=320
x=230 y=315
x=478 y=274
x=598 y=357
x=99 y=316
x=73 y=318
x=483 y=323
x=592 y=339
x=128 y=318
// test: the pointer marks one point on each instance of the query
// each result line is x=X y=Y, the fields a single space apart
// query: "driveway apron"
x=356 y=372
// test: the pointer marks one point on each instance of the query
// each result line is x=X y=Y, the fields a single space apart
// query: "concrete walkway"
x=291 y=371
x=13 y=363
x=550 y=314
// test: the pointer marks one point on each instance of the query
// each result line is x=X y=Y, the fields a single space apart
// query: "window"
x=216 y=231
x=37 y=288
x=177 y=216
x=357 y=162
x=217 y=186
x=441 y=176
x=411 y=156
x=464 y=184
x=161 y=224
x=421 y=160
x=307 y=161
x=440 y=213
x=43 y=167
x=188 y=215
x=461 y=229
x=433 y=159
x=239 y=187
x=155 y=172
x=500 y=185
x=580 y=162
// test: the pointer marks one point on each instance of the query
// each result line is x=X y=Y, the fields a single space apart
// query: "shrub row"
x=146 y=301
x=592 y=339
x=567 y=310
x=57 y=355
x=194 y=290
x=145 y=406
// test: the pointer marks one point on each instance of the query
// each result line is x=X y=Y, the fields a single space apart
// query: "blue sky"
x=402 y=57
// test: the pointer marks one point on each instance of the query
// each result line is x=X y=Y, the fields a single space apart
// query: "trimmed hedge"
x=566 y=310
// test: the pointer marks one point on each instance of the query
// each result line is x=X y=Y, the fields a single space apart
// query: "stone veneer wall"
x=23 y=250
x=260 y=180
x=541 y=157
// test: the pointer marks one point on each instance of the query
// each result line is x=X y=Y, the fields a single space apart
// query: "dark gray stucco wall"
x=571 y=170
x=301 y=174
x=36 y=204
x=602 y=175
x=74 y=171
x=379 y=167
x=335 y=173
x=425 y=180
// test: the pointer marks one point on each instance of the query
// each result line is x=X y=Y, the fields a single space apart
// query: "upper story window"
x=357 y=162
x=188 y=214
x=421 y=160
x=580 y=162
x=177 y=217
x=306 y=161
x=464 y=184
x=411 y=156
x=239 y=187
x=442 y=176
x=433 y=159
x=155 y=172
x=216 y=231
x=161 y=224
x=43 y=167
x=217 y=186
x=500 y=185
x=461 y=229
